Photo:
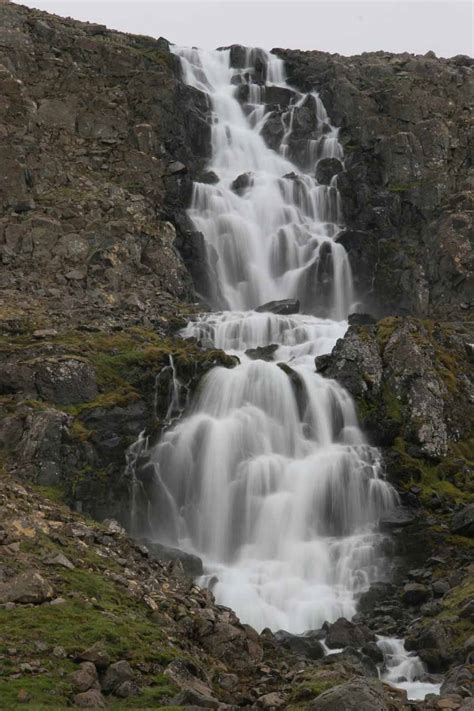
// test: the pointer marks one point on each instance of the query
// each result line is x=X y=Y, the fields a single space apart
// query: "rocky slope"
x=99 y=143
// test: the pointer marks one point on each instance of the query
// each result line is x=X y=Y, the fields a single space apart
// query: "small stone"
x=45 y=333
x=177 y=167
x=23 y=696
x=271 y=701
x=440 y=588
x=60 y=559
x=59 y=652
x=58 y=601
x=76 y=274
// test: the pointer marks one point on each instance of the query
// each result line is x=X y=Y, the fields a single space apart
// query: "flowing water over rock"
x=268 y=477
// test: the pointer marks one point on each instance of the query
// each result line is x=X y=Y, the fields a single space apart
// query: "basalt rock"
x=285 y=307
x=326 y=169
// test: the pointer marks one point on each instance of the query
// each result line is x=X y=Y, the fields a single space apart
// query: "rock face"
x=407 y=190
x=91 y=134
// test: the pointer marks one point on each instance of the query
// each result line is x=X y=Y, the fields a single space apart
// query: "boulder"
x=95 y=654
x=458 y=680
x=66 y=381
x=415 y=594
x=241 y=183
x=274 y=700
x=192 y=564
x=306 y=645
x=26 y=588
x=432 y=642
x=326 y=169
x=354 y=695
x=91 y=699
x=343 y=633
x=273 y=130
x=463 y=521
x=116 y=675
x=84 y=678
x=262 y=352
x=209 y=178
x=361 y=319
x=284 y=307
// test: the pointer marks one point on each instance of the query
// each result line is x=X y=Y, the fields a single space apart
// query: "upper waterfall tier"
x=269 y=227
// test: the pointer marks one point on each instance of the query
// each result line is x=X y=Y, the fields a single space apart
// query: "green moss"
x=402 y=187
x=315 y=683
x=385 y=329
x=393 y=405
x=430 y=477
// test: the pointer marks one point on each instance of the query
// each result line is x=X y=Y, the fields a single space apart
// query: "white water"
x=403 y=669
x=268 y=477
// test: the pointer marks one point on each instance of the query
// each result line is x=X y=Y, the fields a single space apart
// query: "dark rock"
x=273 y=130
x=326 y=169
x=343 y=633
x=66 y=381
x=373 y=651
x=374 y=596
x=440 y=588
x=433 y=644
x=354 y=695
x=285 y=307
x=242 y=182
x=359 y=319
x=262 y=352
x=209 y=177
x=115 y=676
x=397 y=518
x=307 y=645
x=458 y=680
x=279 y=95
x=192 y=564
x=463 y=521
x=415 y=594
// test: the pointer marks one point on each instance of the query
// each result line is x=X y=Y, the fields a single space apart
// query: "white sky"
x=344 y=26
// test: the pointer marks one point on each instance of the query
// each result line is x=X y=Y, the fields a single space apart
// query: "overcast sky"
x=344 y=26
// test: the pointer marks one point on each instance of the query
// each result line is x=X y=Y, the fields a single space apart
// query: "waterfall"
x=267 y=476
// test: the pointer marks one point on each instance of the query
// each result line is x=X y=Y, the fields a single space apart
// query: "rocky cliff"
x=99 y=143
x=407 y=189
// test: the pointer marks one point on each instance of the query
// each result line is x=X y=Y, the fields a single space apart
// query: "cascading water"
x=268 y=477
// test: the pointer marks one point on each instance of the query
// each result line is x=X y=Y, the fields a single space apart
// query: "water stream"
x=268 y=477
